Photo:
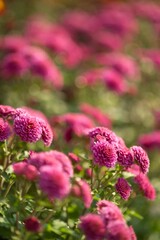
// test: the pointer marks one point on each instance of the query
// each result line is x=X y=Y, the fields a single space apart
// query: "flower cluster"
x=28 y=124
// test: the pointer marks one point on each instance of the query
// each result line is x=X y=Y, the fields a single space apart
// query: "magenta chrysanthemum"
x=6 y=111
x=107 y=134
x=47 y=133
x=109 y=211
x=145 y=186
x=32 y=224
x=104 y=154
x=85 y=193
x=5 y=130
x=123 y=188
x=27 y=128
x=54 y=182
x=118 y=230
x=141 y=158
x=125 y=157
x=93 y=227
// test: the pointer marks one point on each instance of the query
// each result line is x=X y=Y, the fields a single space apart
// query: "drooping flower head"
x=123 y=188
x=141 y=158
x=5 y=130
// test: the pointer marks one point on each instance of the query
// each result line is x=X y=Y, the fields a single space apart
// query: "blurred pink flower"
x=5 y=130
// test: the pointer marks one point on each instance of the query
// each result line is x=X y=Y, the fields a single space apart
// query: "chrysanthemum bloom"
x=104 y=154
x=141 y=158
x=125 y=157
x=13 y=65
x=40 y=159
x=27 y=128
x=47 y=133
x=107 y=134
x=150 y=140
x=76 y=124
x=12 y=43
x=40 y=64
x=6 y=111
x=114 y=81
x=32 y=224
x=24 y=169
x=145 y=186
x=84 y=192
x=109 y=211
x=93 y=227
x=90 y=77
x=5 y=130
x=123 y=188
x=118 y=230
x=96 y=114
x=19 y=167
x=65 y=162
x=54 y=182
x=52 y=158
x=30 y=172
x=132 y=233
x=123 y=64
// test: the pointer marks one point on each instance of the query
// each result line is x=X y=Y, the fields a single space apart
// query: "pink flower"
x=132 y=233
x=109 y=211
x=123 y=188
x=13 y=65
x=19 y=167
x=93 y=227
x=52 y=158
x=85 y=193
x=145 y=186
x=47 y=133
x=141 y=158
x=54 y=182
x=114 y=81
x=104 y=154
x=150 y=140
x=5 y=130
x=123 y=64
x=6 y=111
x=96 y=114
x=12 y=43
x=32 y=224
x=90 y=77
x=73 y=157
x=125 y=157
x=105 y=133
x=118 y=230
x=27 y=128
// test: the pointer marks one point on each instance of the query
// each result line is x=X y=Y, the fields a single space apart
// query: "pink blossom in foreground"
x=141 y=158
x=125 y=157
x=5 y=130
x=132 y=233
x=93 y=227
x=104 y=154
x=27 y=128
x=24 y=169
x=118 y=230
x=123 y=188
x=32 y=224
x=145 y=186
x=12 y=43
x=109 y=211
x=54 y=182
